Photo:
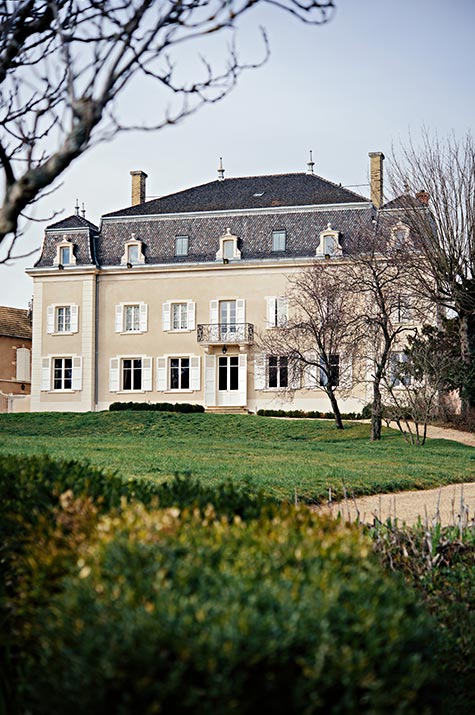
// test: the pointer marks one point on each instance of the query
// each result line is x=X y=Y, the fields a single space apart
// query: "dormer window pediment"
x=329 y=243
x=133 y=253
x=228 y=247
x=64 y=254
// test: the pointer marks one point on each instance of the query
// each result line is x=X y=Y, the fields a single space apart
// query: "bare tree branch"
x=64 y=64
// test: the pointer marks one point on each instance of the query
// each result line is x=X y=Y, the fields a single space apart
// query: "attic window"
x=228 y=249
x=133 y=253
x=278 y=241
x=258 y=195
x=329 y=244
x=65 y=254
x=399 y=235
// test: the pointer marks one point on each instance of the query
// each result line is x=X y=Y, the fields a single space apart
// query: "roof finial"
x=310 y=164
x=76 y=208
x=83 y=210
x=407 y=188
x=220 y=169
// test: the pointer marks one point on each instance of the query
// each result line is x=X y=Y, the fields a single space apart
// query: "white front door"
x=232 y=380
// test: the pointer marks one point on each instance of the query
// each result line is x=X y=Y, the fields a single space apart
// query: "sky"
x=377 y=73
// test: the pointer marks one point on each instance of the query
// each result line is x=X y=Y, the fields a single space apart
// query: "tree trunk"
x=466 y=336
x=376 y=412
x=335 y=409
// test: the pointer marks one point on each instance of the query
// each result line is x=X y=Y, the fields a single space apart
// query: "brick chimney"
x=376 y=177
x=423 y=197
x=139 y=179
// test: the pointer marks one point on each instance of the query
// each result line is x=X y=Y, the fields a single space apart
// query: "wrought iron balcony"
x=225 y=333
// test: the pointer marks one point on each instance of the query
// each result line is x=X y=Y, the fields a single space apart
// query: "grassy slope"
x=278 y=455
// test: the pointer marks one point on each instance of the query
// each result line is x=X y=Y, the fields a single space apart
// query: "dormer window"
x=228 y=249
x=65 y=254
x=399 y=235
x=133 y=253
x=329 y=244
x=181 y=245
x=278 y=241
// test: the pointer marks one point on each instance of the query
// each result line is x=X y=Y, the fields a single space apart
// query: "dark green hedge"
x=311 y=414
x=156 y=407
x=164 y=611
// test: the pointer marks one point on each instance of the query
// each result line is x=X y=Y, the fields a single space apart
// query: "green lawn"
x=280 y=456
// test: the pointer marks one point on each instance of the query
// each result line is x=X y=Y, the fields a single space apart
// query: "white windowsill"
x=132 y=332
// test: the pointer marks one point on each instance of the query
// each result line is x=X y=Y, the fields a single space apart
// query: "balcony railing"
x=227 y=333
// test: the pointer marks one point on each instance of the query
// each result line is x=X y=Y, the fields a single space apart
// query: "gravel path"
x=444 y=504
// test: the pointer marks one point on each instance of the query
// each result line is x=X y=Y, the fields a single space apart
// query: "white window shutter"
x=195 y=373
x=76 y=383
x=23 y=365
x=270 y=312
x=161 y=374
x=213 y=312
x=166 y=308
x=210 y=379
x=243 y=379
x=282 y=311
x=311 y=373
x=295 y=376
x=114 y=382
x=45 y=374
x=119 y=312
x=241 y=311
x=143 y=318
x=346 y=372
x=74 y=318
x=147 y=374
x=260 y=371
x=50 y=319
x=191 y=315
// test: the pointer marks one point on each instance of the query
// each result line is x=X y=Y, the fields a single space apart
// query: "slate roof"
x=405 y=201
x=254 y=234
x=15 y=323
x=247 y=192
x=73 y=221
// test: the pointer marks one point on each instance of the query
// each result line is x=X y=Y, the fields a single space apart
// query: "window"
x=181 y=245
x=277 y=371
x=329 y=244
x=397 y=371
x=228 y=249
x=65 y=255
x=330 y=373
x=132 y=374
x=131 y=318
x=178 y=315
x=63 y=319
x=62 y=374
x=179 y=373
x=133 y=253
x=399 y=235
x=278 y=240
x=277 y=312
x=402 y=313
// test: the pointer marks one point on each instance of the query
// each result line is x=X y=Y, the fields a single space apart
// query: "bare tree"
x=316 y=339
x=417 y=379
x=64 y=64
x=442 y=215
x=377 y=272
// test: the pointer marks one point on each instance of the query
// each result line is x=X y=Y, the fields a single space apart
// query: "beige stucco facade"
x=97 y=340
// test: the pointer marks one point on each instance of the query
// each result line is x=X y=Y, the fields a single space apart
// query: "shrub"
x=313 y=414
x=184 y=612
x=157 y=406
